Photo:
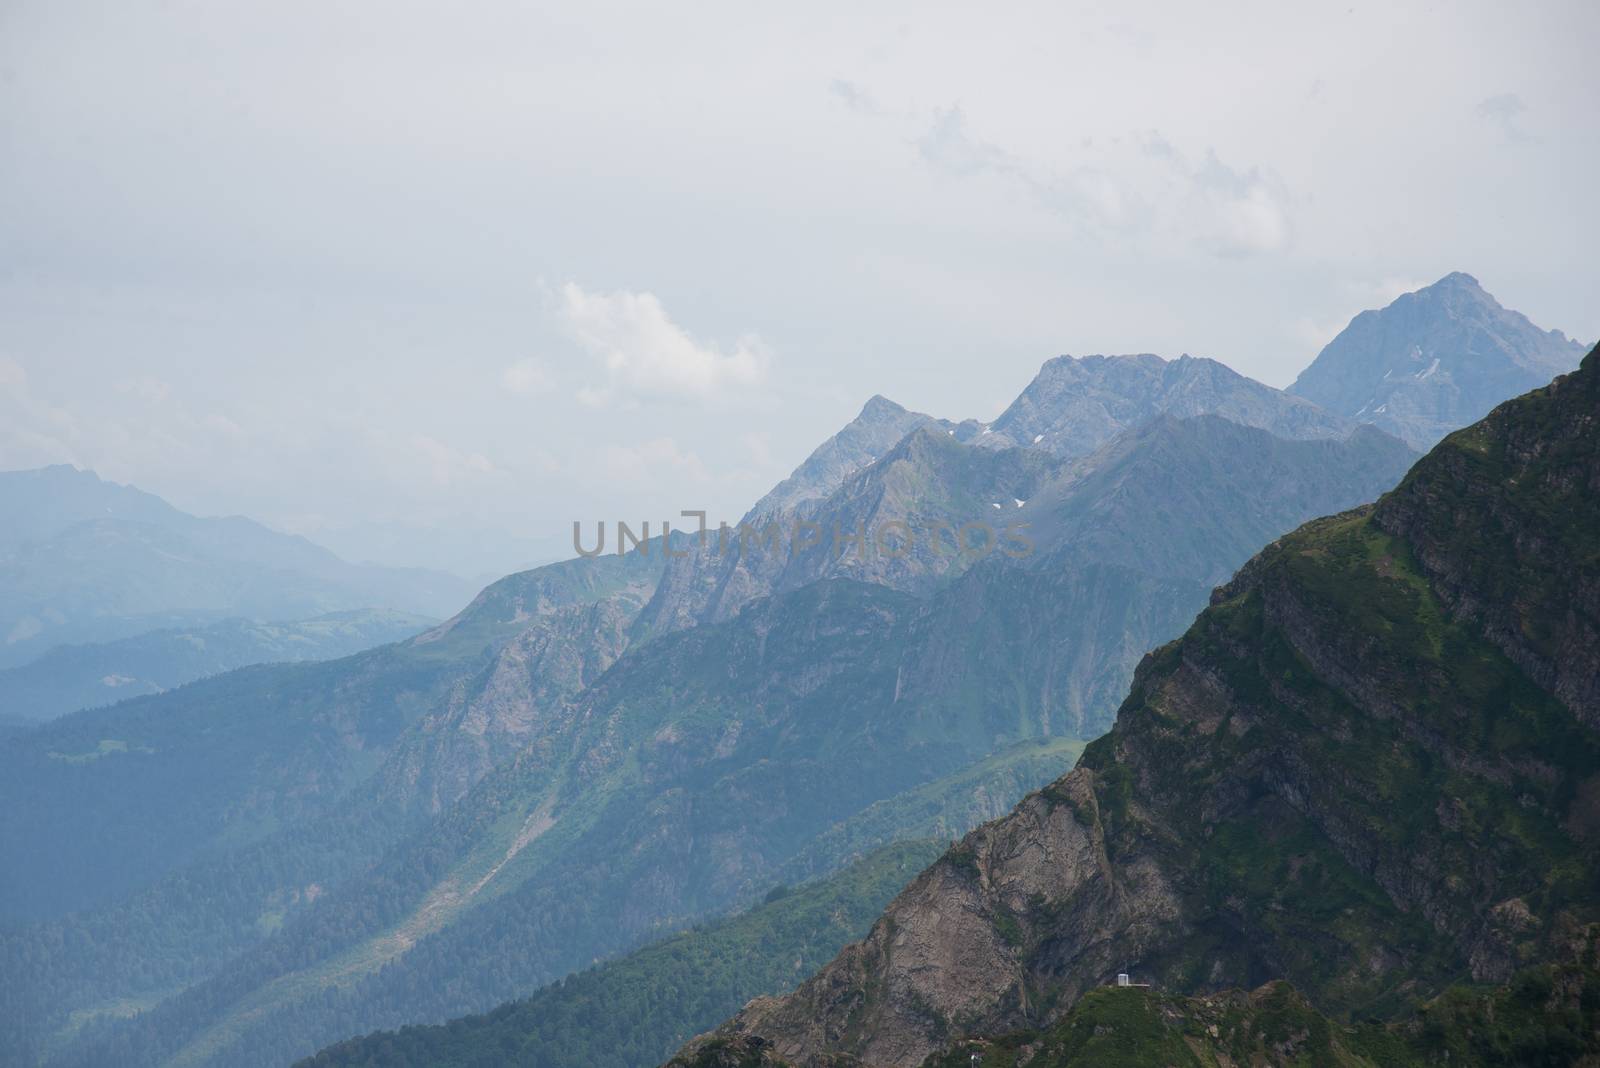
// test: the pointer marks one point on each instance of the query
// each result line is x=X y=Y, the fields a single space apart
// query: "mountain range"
x=70 y=677
x=834 y=713
x=927 y=620
x=1371 y=768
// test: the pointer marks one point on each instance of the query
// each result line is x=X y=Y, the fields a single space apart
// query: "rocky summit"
x=1371 y=769
x=1434 y=360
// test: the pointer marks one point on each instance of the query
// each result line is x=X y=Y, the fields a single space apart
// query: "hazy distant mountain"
x=71 y=677
x=84 y=560
x=1077 y=404
x=1433 y=361
x=866 y=477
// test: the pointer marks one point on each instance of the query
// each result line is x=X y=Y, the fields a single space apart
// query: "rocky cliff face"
x=1433 y=361
x=1371 y=767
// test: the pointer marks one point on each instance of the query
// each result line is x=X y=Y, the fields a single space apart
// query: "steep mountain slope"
x=1077 y=404
x=85 y=676
x=82 y=560
x=679 y=785
x=1368 y=768
x=710 y=762
x=638 y=1008
x=1433 y=361
x=105 y=800
x=192 y=825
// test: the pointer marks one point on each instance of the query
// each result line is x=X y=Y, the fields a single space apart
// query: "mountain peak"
x=1434 y=360
x=874 y=431
x=878 y=407
x=1459 y=280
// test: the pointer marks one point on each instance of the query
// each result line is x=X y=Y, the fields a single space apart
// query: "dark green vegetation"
x=1546 y=1017
x=86 y=676
x=635 y=1010
x=1371 y=768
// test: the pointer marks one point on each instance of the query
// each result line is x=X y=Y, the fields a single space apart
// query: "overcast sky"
x=427 y=282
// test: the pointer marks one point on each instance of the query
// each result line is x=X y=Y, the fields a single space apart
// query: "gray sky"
x=427 y=282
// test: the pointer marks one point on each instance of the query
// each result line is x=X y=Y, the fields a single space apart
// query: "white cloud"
x=650 y=460
x=444 y=464
x=853 y=96
x=1127 y=186
x=1238 y=213
x=528 y=377
x=148 y=389
x=1504 y=110
x=948 y=146
x=645 y=354
x=33 y=432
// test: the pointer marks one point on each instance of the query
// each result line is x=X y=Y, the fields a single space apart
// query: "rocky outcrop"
x=1364 y=769
x=956 y=952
